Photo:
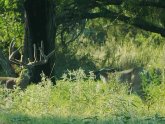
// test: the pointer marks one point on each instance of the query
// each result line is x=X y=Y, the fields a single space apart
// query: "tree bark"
x=40 y=26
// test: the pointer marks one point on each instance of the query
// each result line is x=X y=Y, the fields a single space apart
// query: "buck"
x=24 y=78
x=131 y=76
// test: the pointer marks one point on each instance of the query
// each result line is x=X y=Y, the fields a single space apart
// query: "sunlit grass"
x=125 y=53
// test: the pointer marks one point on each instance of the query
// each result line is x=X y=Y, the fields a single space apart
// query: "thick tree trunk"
x=40 y=26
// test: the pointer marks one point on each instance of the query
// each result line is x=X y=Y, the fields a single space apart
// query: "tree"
x=39 y=26
x=42 y=19
x=47 y=18
x=145 y=14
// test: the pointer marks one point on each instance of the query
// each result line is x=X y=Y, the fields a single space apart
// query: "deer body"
x=9 y=82
x=131 y=76
x=22 y=81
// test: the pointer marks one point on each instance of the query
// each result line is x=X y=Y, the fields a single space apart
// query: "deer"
x=24 y=78
x=132 y=76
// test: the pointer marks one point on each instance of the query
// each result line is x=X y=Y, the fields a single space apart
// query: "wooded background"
x=59 y=23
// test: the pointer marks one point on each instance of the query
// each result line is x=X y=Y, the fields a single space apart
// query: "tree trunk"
x=40 y=26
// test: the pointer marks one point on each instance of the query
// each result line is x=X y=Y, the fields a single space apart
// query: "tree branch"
x=159 y=4
x=144 y=3
x=137 y=22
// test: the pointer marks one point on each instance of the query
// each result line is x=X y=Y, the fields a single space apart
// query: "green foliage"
x=152 y=77
x=10 y=23
x=78 y=98
x=79 y=102
x=74 y=75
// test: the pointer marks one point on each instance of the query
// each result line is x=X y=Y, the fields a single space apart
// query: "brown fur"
x=131 y=76
x=9 y=82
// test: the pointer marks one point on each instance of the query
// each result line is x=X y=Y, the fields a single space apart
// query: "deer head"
x=25 y=74
x=43 y=58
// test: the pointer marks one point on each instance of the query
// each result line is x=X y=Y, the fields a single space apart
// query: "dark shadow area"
x=2 y=72
x=67 y=61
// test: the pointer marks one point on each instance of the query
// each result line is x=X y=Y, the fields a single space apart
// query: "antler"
x=43 y=58
x=12 y=54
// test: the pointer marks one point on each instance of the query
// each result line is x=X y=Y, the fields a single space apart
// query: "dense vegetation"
x=85 y=46
x=81 y=102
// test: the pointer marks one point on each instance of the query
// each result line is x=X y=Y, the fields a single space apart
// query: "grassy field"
x=86 y=101
x=79 y=101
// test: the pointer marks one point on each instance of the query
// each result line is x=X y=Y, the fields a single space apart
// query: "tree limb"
x=137 y=22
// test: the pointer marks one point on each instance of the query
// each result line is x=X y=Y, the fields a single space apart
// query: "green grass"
x=76 y=102
x=88 y=101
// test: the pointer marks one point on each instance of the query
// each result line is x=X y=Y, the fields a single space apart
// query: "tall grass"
x=81 y=101
x=123 y=53
x=85 y=100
